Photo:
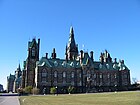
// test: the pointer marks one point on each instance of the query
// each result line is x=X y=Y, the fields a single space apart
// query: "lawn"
x=119 y=98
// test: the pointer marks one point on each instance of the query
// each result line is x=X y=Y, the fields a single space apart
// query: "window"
x=43 y=79
x=72 y=74
x=72 y=83
x=108 y=75
x=80 y=75
x=80 y=83
x=94 y=75
x=33 y=51
x=55 y=74
x=100 y=75
x=115 y=75
x=64 y=74
x=107 y=66
x=55 y=63
x=88 y=74
x=44 y=73
x=100 y=66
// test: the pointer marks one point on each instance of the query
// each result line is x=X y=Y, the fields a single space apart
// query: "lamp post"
x=56 y=90
x=88 y=84
x=115 y=88
x=44 y=91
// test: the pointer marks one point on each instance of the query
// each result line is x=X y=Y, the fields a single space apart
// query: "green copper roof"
x=63 y=63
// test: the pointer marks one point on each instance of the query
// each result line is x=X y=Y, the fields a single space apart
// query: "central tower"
x=72 y=47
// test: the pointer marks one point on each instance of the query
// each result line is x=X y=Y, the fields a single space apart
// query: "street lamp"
x=56 y=90
x=115 y=88
x=44 y=91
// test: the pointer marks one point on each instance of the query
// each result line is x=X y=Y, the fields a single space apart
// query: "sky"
x=98 y=25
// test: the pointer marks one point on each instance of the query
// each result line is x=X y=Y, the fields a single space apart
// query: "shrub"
x=53 y=90
x=28 y=89
x=71 y=89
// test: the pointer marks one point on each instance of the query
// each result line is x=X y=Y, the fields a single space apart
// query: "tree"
x=35 y=90
x=20 y=91
x=28 y=89
x=53 y=90
x=71 y=89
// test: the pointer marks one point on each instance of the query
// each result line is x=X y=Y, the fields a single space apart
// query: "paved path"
x=9 y=100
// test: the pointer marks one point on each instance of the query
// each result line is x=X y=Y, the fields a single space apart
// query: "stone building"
x=10 y=83
x=77 y=69
x=14 y=81
x=81 y=71
x=17 y=81
x=1 y=88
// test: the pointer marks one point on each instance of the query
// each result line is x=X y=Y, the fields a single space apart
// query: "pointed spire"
x=71 y=38
x=71 y=30
x=72 y=48
x=19 y=67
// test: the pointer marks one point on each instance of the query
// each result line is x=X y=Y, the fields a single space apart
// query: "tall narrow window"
x=72 y=75
x=55 y=74
x=64 y=74
x=33 y=51
x=108 y=75
x=94 y=75
x=88 y=74
x=115 y=75
x=44 y=73
x=79 y=75
x=101 y=75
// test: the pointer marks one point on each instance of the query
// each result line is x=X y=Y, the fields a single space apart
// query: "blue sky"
x=98 y=24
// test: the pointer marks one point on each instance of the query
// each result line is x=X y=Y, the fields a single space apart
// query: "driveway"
x=9 y=100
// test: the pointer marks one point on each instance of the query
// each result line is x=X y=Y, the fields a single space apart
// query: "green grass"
x=119 y=98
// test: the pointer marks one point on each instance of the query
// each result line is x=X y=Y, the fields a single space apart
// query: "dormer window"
x=55 y=63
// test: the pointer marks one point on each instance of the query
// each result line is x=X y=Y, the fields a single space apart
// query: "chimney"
x=115 y=60
x=46 y=55
x=38 y=41
x=81 y=56
x=122 y=61
x=101 y=58
x=53 y=54
x=91 y=55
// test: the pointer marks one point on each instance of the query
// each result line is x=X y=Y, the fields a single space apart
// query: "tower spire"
x=72 y=49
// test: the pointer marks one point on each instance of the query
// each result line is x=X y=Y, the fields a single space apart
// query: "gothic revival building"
x=10 y=83
x=14 y=81
x=77 y=69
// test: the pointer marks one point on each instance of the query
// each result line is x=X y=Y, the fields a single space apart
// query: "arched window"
x=72 y=74
x=64 y=74
x=55 y=74
x=115 y=75
x=107 y=66
x=88 y=74
x=108 y=75
x=33 y=51
x=101 y=75
x=79 y=75
x=94 y=75
x=44 y=73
